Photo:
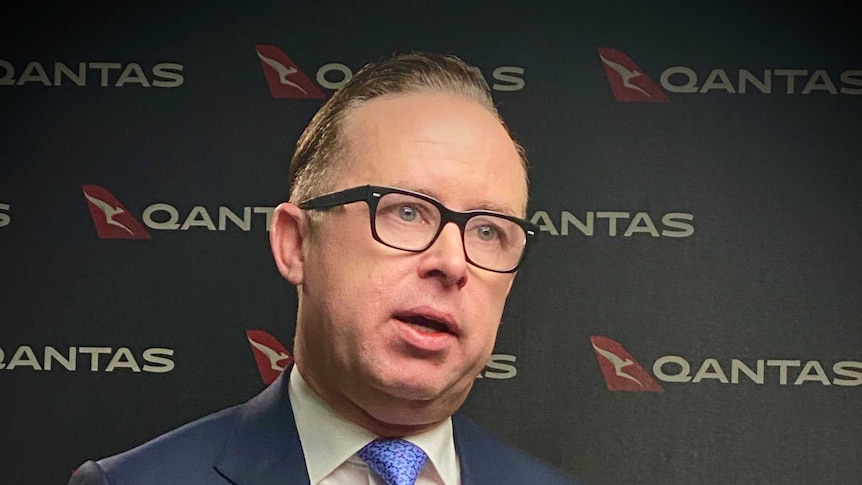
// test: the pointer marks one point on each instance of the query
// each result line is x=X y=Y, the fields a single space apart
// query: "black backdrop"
x=737 y=222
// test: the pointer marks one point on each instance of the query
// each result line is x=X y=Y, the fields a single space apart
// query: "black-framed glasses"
x=411 y=221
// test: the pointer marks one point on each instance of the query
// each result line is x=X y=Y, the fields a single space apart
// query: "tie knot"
x=397 y=461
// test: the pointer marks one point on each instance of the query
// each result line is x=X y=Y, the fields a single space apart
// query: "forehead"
x=447 y=146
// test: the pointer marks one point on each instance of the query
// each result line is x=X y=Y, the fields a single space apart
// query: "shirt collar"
x=328 y=439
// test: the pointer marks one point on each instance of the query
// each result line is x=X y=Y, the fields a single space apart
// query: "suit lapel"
x=264 y=448
x=471 y=452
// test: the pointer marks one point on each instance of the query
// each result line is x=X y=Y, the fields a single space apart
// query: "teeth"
x=424 y=328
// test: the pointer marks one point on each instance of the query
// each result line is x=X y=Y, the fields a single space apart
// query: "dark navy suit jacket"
x=256 y=443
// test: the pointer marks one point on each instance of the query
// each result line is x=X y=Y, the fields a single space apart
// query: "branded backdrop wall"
x=691 y=314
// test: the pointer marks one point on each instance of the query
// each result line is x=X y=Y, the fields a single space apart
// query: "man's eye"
x=486 y=233
x=407 y=213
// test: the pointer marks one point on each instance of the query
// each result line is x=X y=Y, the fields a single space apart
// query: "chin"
x=413 y=404
x=412 y=408
x=411 y=390
x=422 y=391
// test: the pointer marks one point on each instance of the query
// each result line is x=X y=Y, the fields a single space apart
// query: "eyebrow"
x=481 y=205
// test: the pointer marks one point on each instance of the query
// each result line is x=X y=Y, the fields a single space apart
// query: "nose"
x=445 y=259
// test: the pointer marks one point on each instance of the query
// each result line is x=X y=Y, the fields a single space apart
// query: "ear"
x=287 y=233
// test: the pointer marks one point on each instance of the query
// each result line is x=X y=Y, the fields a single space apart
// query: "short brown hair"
x=320 y=148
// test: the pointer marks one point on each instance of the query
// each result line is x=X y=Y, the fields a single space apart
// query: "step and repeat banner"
x=690 y=315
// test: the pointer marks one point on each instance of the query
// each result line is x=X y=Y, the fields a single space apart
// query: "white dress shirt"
x=330 y=443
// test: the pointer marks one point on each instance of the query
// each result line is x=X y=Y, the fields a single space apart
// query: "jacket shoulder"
x=183 y=455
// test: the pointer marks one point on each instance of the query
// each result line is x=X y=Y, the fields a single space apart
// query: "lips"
x=429 y=320
x=425 y=323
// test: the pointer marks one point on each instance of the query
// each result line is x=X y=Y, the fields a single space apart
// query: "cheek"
x=356 y=288
x=488 y=307
x=497 y=288
x=494 y=301
x=340 y=264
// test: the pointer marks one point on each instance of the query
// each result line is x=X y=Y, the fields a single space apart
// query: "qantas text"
x=673 y=368
x=614 y=223
x=683 y=79
x=156 y=360
x=105 y=74
x=503 y=78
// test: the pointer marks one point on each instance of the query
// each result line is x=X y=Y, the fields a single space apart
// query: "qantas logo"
x=114 y=221
x=270 y=355
x=110 y=217
x=628 y=82
x=285 y=80
x=621 y=371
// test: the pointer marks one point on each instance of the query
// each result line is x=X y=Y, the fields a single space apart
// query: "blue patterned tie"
x=397 y=461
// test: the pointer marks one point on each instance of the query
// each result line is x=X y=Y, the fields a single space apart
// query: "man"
x=403 y=234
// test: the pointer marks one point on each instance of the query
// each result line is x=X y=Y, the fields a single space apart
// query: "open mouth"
x=424 y=323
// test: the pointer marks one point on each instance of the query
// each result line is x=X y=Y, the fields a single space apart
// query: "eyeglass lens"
x=410 y=223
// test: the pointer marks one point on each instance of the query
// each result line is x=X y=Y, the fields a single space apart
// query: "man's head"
x=393 y=339
x=321 y=149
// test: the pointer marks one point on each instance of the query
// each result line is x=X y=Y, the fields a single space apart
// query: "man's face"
x=403 y=335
